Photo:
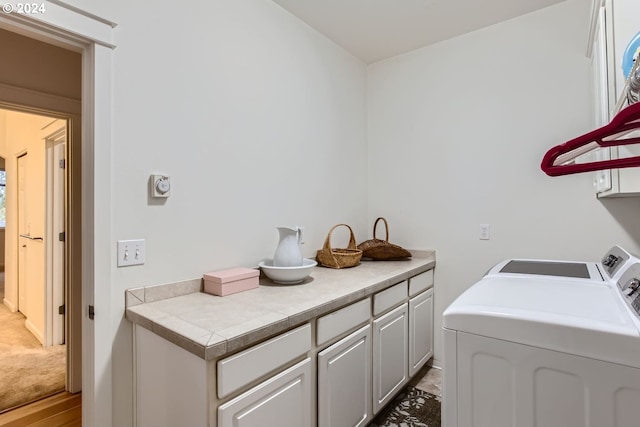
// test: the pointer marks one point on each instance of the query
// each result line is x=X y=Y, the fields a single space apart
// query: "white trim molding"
x=47 y=102
x=595 y=12
x=69 y=21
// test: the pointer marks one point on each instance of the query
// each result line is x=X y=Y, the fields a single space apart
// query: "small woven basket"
x=339 y=258
x=381 y=249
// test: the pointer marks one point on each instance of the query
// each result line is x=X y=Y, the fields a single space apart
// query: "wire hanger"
x=560 y=160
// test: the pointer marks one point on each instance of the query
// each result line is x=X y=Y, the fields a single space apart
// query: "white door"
x=390 y=359
x=55 y=140
x=344 y=381
x=600 y=80
x=283 y=401
x=420 y=330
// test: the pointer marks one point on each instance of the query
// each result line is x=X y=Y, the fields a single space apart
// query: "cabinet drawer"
x=382 y=301
x=420 y=282
x=335 y=324
x=241 y=369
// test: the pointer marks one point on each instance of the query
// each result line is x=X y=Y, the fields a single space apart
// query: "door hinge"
x=62 y=163
x=92 y=312
x=61 y=309
x=61 y=237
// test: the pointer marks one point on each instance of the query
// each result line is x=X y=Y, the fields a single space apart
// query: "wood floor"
x=60 y=410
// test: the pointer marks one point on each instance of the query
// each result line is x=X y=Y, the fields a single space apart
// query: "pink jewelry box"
x=227 y=282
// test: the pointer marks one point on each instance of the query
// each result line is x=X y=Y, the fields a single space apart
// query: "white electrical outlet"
x=131 y=252
x=484 y=232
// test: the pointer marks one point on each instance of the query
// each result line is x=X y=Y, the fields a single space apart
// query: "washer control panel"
x=636 y=305
x=629 y=285
x=613 y=260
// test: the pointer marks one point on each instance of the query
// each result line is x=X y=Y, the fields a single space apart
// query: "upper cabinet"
x=614 y=23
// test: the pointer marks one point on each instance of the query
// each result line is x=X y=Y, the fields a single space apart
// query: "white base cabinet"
x=283 y=401
x=360 y=357
x=344 y=381
x=390 y=355
x=171 y=388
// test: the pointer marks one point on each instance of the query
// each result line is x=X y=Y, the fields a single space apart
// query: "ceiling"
x=373 y=30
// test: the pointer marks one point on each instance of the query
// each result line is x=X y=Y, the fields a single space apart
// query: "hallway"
x=28 y=371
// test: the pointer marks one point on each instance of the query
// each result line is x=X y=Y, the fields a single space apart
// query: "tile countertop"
x=210 y=326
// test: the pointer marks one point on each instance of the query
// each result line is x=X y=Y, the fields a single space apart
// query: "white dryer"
x=538 y=345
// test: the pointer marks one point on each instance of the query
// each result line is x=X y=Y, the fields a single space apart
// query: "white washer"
x=527 y=348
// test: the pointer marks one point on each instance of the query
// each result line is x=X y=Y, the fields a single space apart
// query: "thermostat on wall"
x=160 y=186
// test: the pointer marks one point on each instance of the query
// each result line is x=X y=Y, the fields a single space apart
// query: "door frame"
x=56 y=259
x=72 y=28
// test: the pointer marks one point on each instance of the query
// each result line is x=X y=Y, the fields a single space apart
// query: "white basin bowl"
x=288 y=275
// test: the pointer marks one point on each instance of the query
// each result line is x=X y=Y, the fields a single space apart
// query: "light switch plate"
x=131 y=252
x=485 y=233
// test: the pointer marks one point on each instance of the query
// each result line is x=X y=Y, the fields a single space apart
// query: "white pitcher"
x=288 y=252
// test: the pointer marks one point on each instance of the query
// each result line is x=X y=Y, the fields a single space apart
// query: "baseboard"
x=35 y=331
x=12 y=308
x=434 y=363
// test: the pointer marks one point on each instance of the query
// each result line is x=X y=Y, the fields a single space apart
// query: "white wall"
x=23 y=135
x=262 y=122
x=3 y=132
x=259 y=121
x=457 y=132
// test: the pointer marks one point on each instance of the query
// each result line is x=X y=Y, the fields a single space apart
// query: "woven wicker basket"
x=382 y=249
x=339 y=258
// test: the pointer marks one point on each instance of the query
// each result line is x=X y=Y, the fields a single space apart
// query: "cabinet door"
x=390 y=359
x=602 y=88
x=420 y=331
x=344 y=381
x=283 y=401
x=614 y=27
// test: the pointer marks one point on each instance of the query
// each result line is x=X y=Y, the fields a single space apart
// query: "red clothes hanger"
x=612 y=134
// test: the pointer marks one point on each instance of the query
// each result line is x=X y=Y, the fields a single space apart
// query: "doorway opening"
x=34 y=333
x=40 y=102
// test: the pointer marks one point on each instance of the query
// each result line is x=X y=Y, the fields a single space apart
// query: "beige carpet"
x=28 y=371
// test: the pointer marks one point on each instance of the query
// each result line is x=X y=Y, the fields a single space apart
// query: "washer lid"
x=548 y=269
x=576 y=270
x=575 y=317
